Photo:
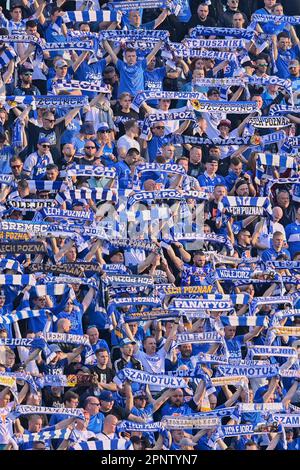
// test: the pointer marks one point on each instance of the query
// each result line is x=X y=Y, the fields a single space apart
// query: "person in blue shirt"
x=277 y=248
x=132 y=69
x=56 y=30
x=209 y=179
x=292 y=232
x=135 y=20
x=235 y=343
x=124 y=168
x=284 y=52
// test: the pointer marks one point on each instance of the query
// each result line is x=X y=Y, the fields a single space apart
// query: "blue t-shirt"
x=234 y=346
x=96 y=423
x=271 y=254
x=206 y=181
x=131 y=76
x=283 y=60
x=292 y=232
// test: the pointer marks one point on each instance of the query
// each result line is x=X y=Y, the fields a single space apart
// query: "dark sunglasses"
x=89 y=147
x=105 y=132
x=159 y=127
x=45 y=145
x=50 y=120
x=16 y=166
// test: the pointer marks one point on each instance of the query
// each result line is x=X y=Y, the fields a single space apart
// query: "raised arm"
x=110 y=51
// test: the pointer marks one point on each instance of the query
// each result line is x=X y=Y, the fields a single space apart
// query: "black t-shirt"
x=104 y=375
x=117 y=411
x=34 y=133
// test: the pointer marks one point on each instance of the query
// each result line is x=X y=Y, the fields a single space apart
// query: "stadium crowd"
x=149 y=225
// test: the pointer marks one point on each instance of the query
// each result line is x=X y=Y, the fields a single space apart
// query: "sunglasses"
x=105 y=132
x=89 y=147
x=28 y=74
x=159 y=127
x=46 y=146
x=50 y=120
x=16 y=166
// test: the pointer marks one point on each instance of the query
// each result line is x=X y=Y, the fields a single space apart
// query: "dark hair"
x=130 y=49
x=132 y=151
x=23 y=184
x=129 y=124
x=30 y=24
x=283 y=34
x=69 y=395
x=52 y=166
x=235 y=161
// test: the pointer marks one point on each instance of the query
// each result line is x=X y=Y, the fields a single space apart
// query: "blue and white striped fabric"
x=238 y=205
x=97 y=194
x=45 y=435
x=244 y=321
x=17 y=279
x=11 y=264
x=113 y=444
x=21 y=315
x=6 y=57
x=274 y=160
x=88 y=16
x=51 y=186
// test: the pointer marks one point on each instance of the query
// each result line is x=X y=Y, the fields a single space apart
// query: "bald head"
x=277 y=213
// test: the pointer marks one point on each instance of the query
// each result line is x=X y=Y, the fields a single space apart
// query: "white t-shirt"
x=153 y=365
x=128 y=143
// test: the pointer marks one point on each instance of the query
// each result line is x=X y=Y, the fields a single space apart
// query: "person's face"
x=238 y=21
x=3 y=117
x=128 y=350
x=262 y=65
x=150 y=346
x=102 y=358
x=168 y=152
x=284 y=44
x=106 y=406
x=130 y=57
x=177 y=398
x=140 y=402
x=90 y=149
x=132 y=158
x=237 y=169
x=110 y=77
x=184 y=164
x=93 y=335
x=278 y=242
x=69 y=306
x=16 y=14
x=212 y=401
x=294 y=70
x=278 y=10
x=198 y=73
x=93 y=406
x=164 y=104
x=230 y=332
x=27 y=77
x=35 y=425
x=71 y=255
x=273 y=89
x=151 y=65
x=135 y=18
x=133 y=328
x=203 y=11
x=5 y=400
x=48 y=121
x=117 y=258
x=199 y=260
x=214 y=96
x=2 y=300
x=158 y=129
x=85 y=28
x=269 y=3
x=243 y=190
x=258 y=100
x=246 y=238
x=283 y=200
x=32 y=30
x=72 y=403
x=224 y=130
x=186 y=350
x=233 y=4
x=215 y=152
x=41 y=302
x=68 y=151
x=195 y=156
x=43 y=149
x=125 y=102
x=211 y=167
x=61 y=71
x=209 y=64
x=177 y=435
x=52 y=174
x=16 y=167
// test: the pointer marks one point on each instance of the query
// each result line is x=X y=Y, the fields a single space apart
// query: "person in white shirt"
x=263 y=233
x=153 y=361
x=109 y=429
x=128 y=140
